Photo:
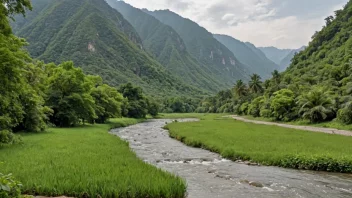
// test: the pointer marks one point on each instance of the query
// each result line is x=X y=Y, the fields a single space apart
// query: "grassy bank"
x=85 y=162
x=330 y=124
x=268 y=145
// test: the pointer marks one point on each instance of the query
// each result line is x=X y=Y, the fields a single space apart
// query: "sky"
x=279 y=23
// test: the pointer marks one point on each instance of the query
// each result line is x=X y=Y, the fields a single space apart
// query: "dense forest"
x=316 y=87
x=201 y=44
x=34 y=95
x=98 y=39
x=164 y=43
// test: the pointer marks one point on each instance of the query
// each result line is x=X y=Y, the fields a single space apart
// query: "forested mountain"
x=258 y=63
x=96 y=37
x=281 y=57
x=201 y=44
x=317 y=86
x=164 y=43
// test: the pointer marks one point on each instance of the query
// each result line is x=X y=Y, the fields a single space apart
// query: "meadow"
x=267 y=145
x=85 y=161
x=329 y=124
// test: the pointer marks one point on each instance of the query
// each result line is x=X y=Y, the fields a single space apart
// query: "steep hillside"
x=258 y=64
x=167 y=47
x=201 y=44
x=327 y=59
x=97 y=38
x=274 y=54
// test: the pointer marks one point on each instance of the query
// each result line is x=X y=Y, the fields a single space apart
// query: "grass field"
x=330 y=124
x=268 y=145
x=85 y=162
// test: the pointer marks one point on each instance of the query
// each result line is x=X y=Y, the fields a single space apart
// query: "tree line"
x=34 y=95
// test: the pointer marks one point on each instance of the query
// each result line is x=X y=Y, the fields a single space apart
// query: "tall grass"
x=86 y=162
x=268 y=145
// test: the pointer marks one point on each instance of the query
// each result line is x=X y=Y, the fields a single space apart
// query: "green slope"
x=201 y=44
x=327 y=59
x=167 y=47
x=97 y=38
x=258 y=64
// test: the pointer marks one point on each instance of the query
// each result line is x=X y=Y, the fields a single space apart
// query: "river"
x=208 y=175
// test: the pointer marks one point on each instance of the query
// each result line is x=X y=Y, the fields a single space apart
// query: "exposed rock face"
x=91 y=47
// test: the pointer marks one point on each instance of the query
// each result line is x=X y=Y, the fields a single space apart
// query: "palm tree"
x=315 y=106
x=276 y=77
x=240 y=88
x=255 y=84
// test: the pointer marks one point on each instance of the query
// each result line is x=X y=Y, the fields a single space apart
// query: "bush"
x=8 y=138
x=345 y=114
x=9 y=187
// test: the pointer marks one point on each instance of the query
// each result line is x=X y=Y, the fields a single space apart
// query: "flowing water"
x=209 y=175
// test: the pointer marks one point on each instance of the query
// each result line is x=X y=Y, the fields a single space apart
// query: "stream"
x=208 y=175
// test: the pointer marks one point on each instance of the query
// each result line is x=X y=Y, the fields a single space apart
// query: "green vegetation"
x=257 y=63
x=86 y=161
x=99 y=40
x=267 y=145
x=168 y=48
x=9 y=187
x=316 y=87
x=218 y=60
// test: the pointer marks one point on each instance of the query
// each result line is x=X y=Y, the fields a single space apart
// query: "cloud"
x=279 y=23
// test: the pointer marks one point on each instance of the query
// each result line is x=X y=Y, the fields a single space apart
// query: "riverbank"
x=267 y=145
x=86 y=161
x=208 y=175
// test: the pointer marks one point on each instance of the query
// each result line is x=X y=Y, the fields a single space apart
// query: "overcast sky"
x=279 y=23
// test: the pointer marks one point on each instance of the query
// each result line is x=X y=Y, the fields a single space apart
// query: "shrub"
x=345 y=114
x=9 y=187
x=8 y=138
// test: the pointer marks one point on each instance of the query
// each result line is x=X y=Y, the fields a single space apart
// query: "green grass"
x=331 y=124
x=86 y=161
x=201 y=116
x=268 y=145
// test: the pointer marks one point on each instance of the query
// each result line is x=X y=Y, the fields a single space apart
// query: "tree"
x=69 y=95
x=240 y=89
x=282 y=104
x=7 y=9
x=345 y=114
x=316 y=106
x=255 y=106
x=137 y=106
x=108 y=102
x=276 y=77
x=255 y=84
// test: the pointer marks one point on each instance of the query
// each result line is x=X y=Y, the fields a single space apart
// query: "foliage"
x=166 y=46
x=8 y=138
x=282 y=104
x=345 y=114
x=316 y=106
x=267 y=145
x=138 y=104
x=86 y=161
x=215 y=57
x=99 y=40
x=108 y=103
x=316 y=87
x=9 y=187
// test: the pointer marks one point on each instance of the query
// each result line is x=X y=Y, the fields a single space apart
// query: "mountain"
x=164 y=43
x=258 y=63
x=274 y=54
x=213 y=55
x=98 y=39
x=285 y=62
x=281 y=57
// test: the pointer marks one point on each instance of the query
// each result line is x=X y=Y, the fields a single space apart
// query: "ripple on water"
x=209 y=175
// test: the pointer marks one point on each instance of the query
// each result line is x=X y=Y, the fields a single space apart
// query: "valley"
x=109 y=98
